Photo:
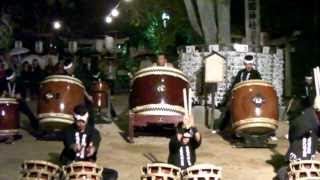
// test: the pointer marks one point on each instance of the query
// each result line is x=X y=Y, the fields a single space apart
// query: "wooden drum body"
x=59 y=95
x=82 y=170
x=9 y=117
x=156 y=96
x=99 y=92
x=202 y=172
x=160 y=171
x=39 y=170
x=254 y=107
x=304 y=170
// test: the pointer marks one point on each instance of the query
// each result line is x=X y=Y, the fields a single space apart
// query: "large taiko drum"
x=202 y=172
x=37 y=169
x=158 y=91
x=82 y=170
x=9 y=117
x=304 y=170
x=160 y=171
x=99 y=92
x=59 y=95
x=254 y=107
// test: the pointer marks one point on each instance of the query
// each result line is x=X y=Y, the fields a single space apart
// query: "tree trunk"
x=208 y=17
x=192 y=16
x=223 y=13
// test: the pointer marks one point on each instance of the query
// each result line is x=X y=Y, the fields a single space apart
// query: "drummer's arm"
x=175 y=143
x=88 y=96
x=196 y=137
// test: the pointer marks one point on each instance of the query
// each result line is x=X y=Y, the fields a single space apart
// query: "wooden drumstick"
x=316 y=80
x=185 y=104
x=189 y=102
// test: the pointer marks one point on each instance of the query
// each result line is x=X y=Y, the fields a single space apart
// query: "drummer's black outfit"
x=72 y=136
x=308 y=95
x=244 y=75
x=181 y=155
x=14 y=88
x=303 y=135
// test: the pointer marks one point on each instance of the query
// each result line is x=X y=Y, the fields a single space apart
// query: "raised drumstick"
x=189 y=102
x=185 y=103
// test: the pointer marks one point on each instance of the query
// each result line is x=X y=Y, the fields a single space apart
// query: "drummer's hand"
x=77 y=148
x=18 y=96
x=4 y=94
x=90 y=151
x=186 y=121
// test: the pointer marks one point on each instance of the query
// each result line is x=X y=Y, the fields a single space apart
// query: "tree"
x=206 y=15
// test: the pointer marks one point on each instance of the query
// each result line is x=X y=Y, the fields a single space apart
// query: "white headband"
x=308 y=77
x=68 y=66
x=11 y=77
x=83 y=117
x=96 y=75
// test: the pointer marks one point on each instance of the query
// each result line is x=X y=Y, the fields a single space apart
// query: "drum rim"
x=252 y=82
x=158 y=108
x=55 y=116
x=204 y=165
x=6 y=132
x=163 y=165
x=42 y=162
x=63 y=78
x=82 y=164
x=160 y=71
x=271 y=124
x=254 y=120
x=8 y=101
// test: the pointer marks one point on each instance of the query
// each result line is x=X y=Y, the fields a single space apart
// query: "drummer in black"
x=248 y=72
x=81 y=142
x=303 y=137
x=13 y=88
x=183 y=145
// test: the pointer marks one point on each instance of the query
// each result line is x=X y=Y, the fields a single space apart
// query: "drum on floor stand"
x=59 y=95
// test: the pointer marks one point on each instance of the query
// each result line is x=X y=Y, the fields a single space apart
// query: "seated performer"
x=308 y=92
x=183 y=145
x=162 y=61
x=248 y=72
x=14 y=89
x=81 y=142
x=303 y=137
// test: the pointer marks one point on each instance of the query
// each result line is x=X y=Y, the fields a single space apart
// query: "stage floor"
x=116 y=153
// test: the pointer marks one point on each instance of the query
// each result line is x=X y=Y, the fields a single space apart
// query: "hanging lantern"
x=18 y=44
x=72 y=46
x=39 y=47
x=99 y=45
x=109 y=43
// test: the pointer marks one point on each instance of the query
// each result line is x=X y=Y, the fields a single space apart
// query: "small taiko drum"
x=82 y=170
x=160 y=171
x=202 y=172
x=39 y=170
x=158 y=91
x=59 y=95
x=304 y=170
x=9 y=117
x=254 y=107
x=99 y=92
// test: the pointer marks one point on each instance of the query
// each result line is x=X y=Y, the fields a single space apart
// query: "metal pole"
x=213 y=92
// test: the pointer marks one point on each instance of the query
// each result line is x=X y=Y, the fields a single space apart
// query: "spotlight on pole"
x=115 y=13
x=57 y=25
x=108 y=19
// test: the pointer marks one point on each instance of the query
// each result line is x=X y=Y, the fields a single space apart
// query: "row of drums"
x=43 y=170
x=162 y=171
x=254 y=103
x=59 y=95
